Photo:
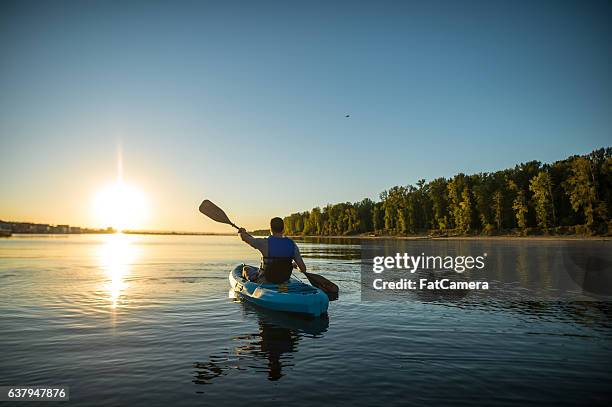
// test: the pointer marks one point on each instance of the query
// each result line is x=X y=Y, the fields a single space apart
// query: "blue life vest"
x=278 y=264
x=280 y=247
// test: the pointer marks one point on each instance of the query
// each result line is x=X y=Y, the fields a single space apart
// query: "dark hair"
x=277 y=225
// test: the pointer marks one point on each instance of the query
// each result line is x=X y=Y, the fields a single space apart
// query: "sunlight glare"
x=116 y=254
x=121 y=206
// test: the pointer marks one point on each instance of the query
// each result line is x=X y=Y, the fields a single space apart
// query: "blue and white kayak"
x=292 y=296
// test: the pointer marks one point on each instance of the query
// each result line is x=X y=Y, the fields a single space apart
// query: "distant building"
x=5 y=229
x=24 y=228
x=41 y=228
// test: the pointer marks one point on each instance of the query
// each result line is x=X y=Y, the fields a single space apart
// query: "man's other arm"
x=297 y=257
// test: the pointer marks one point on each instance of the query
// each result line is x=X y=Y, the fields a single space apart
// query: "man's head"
x=277 y=226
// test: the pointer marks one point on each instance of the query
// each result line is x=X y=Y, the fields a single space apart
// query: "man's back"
x=278 y=253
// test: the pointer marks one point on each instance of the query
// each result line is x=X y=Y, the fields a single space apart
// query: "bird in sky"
x=348 y=115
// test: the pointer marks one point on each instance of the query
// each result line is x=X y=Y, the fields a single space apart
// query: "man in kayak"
x=278 y=255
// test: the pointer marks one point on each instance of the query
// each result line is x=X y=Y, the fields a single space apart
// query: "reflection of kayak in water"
x=270 y=350
x=279 y=334
x=292 y=296
x=293 y=322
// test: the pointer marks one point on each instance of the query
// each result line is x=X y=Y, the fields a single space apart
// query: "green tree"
x=364 y=210
x=460 y=203
x=482 y=192
x=352 y=221
x=541 y=186
x=498 y=209
x=438 y=197
x=582 y=190
x=393 y=201
x=465 y=217
x=519 y=204
x=377 y=217
x=455 y=190
x=315 y=222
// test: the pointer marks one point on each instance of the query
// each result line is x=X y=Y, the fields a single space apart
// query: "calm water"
x=142 y=319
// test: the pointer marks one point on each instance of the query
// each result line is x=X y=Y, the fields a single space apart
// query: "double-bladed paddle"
x=217 y=214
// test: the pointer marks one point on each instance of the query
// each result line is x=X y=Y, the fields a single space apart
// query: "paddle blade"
x=214 y=212
x=324 y=284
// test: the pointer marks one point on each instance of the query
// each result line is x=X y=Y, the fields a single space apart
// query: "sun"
x=121 y=206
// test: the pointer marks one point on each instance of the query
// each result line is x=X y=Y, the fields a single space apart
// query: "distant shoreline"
x=162 y=233
x=499 y=237
x=127 y=233
x=353 y=237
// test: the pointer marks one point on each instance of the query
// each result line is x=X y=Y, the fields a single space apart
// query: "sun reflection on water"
x=117 y=254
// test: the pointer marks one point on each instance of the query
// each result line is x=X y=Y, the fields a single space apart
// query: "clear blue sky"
x=244 y=102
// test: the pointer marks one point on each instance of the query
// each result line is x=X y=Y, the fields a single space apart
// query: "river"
x=141 y=320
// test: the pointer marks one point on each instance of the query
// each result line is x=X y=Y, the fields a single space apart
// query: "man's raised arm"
x=250 y=240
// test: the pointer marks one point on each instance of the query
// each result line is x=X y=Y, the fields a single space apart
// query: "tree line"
x=573 y=195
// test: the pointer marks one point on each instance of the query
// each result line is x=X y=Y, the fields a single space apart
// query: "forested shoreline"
x=571 y=196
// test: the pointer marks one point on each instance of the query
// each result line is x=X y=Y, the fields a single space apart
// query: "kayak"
x=292 y=296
